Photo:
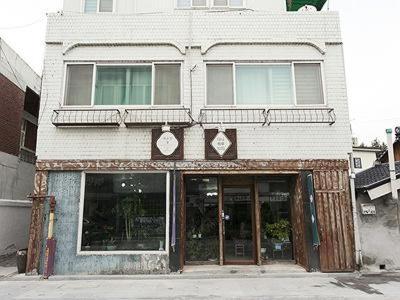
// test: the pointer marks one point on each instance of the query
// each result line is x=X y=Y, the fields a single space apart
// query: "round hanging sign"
x=167 y=143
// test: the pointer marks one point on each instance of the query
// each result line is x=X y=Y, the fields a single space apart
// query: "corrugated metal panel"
x=335 y=221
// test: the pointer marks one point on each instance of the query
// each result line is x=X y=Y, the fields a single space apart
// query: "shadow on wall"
x=379 y=233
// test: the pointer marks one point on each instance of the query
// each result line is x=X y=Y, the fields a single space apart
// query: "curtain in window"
x=220 y=2
x=78 y=87
x=184 y=3
x=264 y=85
x=123 y=85
x=167 y=84
x=309 y=84
x=199 y=2
x=106 y=6
x=90 y=6
x=219 y=84
x=236 y=3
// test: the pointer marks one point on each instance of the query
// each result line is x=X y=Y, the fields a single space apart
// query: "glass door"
x=238 y=229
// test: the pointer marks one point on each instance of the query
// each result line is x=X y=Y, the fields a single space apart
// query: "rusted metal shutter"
x=298 y=226
x=335 y=220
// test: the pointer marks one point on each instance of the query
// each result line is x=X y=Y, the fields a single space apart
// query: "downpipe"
x=357 y=240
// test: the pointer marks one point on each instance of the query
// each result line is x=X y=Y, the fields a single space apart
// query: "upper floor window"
x=123 y=85
x=94 y=6
x=264 y=84
x=357 y=163
x=191 y=3
x=228 y=3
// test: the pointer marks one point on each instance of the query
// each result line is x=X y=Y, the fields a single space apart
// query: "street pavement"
x=192 y=286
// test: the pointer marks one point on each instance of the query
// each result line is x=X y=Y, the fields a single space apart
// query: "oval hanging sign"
x=167 y=143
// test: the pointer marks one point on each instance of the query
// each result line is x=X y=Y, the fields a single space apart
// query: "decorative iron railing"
x=301 y=116
x=178 y=117
x=86 y=117
x=232 y=116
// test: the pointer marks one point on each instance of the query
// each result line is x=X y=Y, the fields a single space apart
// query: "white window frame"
x=207 y=5
x=104 y=64
x=98 y=7
x=235 y=105
x=323 y=81
x=228 y=5
x=81 y=252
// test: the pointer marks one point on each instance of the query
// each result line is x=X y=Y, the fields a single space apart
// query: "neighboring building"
x=19 y=110
x=364 y=157
x=396 y=148
x=255 y=101
x=378 y=221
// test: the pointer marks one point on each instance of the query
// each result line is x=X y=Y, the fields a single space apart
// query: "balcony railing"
x=232 y=116
x=178 y=117
x=86 y=117
x=301 y=116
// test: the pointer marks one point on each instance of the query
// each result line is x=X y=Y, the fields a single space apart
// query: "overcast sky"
x=371 y=31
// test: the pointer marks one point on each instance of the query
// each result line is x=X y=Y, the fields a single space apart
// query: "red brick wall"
x=11 y=107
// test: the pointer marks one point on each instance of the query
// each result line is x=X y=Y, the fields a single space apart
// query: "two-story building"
x=193 y=132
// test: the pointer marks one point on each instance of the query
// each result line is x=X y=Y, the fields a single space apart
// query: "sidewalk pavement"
x=205 y=286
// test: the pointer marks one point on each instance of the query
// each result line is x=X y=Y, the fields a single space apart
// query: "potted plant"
x=278 y=231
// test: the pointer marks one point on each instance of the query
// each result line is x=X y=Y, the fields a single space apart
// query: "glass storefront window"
x=202 y=235
x=276 y=233
x=124 y=212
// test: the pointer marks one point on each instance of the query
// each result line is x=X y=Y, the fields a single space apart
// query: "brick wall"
x=11 y=108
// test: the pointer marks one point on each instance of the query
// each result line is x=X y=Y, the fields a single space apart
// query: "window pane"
x=167 y=84
x=220 y=2
x=123 y=85
x=264 y=85
x=124 y=212
x=78 y=87
x=236 y=3
x=90 y=6
x=106 y=6
x=199 y=3
x=219 y=84
x=309 y=84
x=184 y=3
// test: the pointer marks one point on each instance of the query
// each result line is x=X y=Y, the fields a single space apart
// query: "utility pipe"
x=392 y=171
x=357 y=240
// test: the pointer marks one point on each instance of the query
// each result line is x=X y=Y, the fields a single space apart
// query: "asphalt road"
x=308 y=286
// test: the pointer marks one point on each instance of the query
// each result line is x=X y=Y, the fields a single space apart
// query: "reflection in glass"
x=124 y=212
x=238 y=213
x=202 y=240
x=276 y=234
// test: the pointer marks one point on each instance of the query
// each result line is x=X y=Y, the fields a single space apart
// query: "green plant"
x=131 y=207
x=279 y=230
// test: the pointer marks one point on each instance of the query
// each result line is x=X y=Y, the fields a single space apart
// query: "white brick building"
x=270 y=81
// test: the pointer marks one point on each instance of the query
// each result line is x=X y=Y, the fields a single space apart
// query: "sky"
x=371 y=33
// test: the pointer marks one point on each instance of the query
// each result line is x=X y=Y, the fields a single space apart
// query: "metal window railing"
x=232 y=116
x=301 y=116
x=179 y=117
x=86 y=117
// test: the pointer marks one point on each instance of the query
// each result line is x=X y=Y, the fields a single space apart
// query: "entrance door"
x=238 y=229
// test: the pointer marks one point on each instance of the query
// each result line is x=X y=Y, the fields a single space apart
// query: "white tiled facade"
x=267 y=34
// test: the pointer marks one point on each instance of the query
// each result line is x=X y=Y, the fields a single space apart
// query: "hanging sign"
x=167 y=145
x=220 y=145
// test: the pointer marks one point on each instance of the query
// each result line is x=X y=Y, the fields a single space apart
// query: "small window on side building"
x=94 y=6
x=357 y=163
x=106 y=5
x=90 y=6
